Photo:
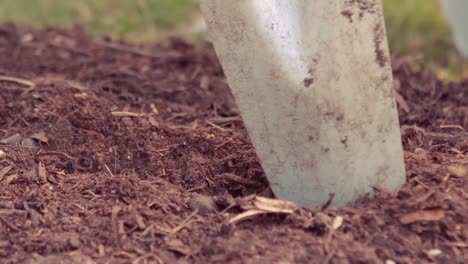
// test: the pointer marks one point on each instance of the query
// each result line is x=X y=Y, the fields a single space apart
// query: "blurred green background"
x=416 y=28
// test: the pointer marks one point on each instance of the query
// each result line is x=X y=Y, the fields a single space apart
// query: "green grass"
x=417 y=29
x=412 y=25
x=135 y=19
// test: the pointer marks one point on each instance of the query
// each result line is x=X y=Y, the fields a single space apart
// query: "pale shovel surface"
x=313 y=82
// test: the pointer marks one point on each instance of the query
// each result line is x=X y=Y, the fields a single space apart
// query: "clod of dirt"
x=40 y=136
x=204 y=204
x=74 y=243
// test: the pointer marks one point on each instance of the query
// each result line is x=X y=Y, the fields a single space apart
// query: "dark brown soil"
x=108 y=147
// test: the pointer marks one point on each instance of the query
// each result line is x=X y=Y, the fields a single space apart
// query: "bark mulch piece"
x=120 y=153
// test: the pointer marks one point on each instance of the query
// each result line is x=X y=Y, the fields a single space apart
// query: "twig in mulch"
x=155 y=55
x=330 y=200
x=17 y=80
x=109 y=171
x=126 y=114
x=215 y=126
x=401 y=101
x=183 y=224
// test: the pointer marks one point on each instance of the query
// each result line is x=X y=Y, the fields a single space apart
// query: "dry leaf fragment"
x=423 y=216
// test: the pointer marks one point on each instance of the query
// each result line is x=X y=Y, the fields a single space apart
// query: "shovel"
x=313 y=82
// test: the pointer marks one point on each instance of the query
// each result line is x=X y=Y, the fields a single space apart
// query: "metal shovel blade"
x=313 y=82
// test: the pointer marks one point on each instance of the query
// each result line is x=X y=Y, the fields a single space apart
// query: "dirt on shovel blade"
x=116 y=153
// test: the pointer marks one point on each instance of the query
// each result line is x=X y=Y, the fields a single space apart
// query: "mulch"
x=113 y=152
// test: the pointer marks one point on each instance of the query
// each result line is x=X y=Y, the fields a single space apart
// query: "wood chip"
x=274 y=205
x=77 y=86
x=14 y=139
x=140 y=221
x=11 y=178
x=101 y=250
x=153 y=121
x=423 y=216
x=115 y=211
x=154 y=109
x=40 y=136
x=41 y=172
x=5 y=171
x=458 y=171
x=337 y=222
x=401 y=101
x=126 y=114
x=177 y=246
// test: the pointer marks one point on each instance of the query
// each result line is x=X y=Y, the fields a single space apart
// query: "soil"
x=114 y=152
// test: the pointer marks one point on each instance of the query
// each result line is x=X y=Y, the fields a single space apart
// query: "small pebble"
x=29 y=143
x=434 y=252
x=2 y=154
x=74 y=243
x=389 y=261
x=204 y=204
